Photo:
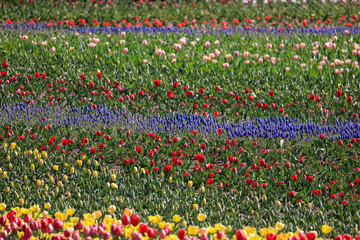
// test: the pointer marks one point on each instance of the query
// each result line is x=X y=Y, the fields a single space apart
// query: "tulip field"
x=189 y=120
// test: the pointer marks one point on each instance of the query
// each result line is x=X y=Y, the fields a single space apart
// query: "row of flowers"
x=32 y=223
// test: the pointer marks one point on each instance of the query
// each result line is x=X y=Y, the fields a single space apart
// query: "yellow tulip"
x=13 y=146
x=32 y=167
x=196 y=207
x=44 y=154
x=113 y=177
x=7 y=158
x=56 y=167
x=204 y=201
x=211 y=229
x=219 y=227
x=201 y=217
x=111 y=209
x=193 y=230
x=72 y=170
x=21 y=201
x=79 y=162
x=155 y=219
x=176 y=218
x=326 y=229
x=263 y=232
x=190 y=184
x=279 y=226
x=228 y=229
x=4 y=174
x=113 y=185
x=47 y=206
x=70 y=211
x=61 y=216
x=162 y=224
x=135 y=170
x=5 y=145
x=170 y=179
x=2 y=206
x=95 y=173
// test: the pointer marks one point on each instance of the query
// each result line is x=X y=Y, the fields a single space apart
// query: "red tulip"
x=292 y=193
x=271 y=236
x=271 y=93
x=157 y=83
x=182 y=233
x=125 y=220
x=138 y=149
x=339 y=93
x=135 y=220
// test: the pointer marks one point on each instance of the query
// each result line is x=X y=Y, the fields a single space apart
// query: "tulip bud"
x=204 y=201
x=278 y=203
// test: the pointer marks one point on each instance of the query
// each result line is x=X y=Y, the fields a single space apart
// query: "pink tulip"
x=87 y=231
